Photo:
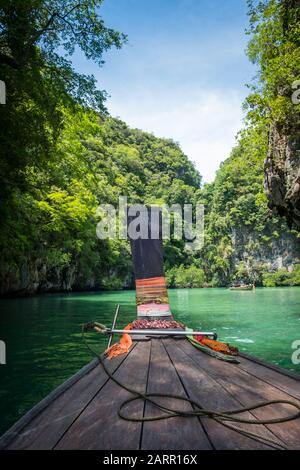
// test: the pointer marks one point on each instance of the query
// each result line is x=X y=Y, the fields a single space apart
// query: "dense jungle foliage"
x=62 y=155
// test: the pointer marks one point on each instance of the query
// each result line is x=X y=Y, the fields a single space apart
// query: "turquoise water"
x=44 y=346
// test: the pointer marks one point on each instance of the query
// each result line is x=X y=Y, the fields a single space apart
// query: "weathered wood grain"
x=42 y=427
x=99 y=426
x=249 y=390
x=175 y=433
x=82 y=412
x=285 y=381
x=202 y=388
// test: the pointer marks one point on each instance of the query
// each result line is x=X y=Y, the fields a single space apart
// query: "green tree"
x=183 y=277
x=37 y=37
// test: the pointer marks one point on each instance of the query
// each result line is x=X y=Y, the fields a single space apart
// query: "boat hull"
x=82 y=413
x=241 y=288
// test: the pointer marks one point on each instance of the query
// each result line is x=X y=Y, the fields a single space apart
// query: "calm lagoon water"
x=43 y=333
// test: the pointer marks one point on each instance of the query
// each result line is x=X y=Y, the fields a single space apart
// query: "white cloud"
x=204 y=123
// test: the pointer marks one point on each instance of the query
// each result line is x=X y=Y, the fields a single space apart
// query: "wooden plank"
x=287 y=383
x=249 y=390
x=289 y=373
x=99 y=426
x=174 y=433
x=17 y=428
x=202 y=388
x=43 y=427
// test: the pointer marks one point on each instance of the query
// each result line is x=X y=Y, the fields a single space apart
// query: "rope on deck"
x=221 y=417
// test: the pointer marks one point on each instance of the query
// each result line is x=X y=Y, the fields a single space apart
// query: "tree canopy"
x=37 y=40
x=62 y=155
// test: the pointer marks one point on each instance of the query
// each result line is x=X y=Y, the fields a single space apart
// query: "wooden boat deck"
x=82 y=412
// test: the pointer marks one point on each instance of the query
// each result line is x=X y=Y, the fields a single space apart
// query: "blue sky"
x=181 y=75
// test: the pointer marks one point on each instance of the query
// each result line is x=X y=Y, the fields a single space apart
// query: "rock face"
x=34 y=276
x=270 y=252
x=282 y=174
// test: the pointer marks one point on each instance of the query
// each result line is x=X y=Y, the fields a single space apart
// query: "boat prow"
x=83 y=412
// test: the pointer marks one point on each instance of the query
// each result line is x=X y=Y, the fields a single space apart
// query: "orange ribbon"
x=122 y=347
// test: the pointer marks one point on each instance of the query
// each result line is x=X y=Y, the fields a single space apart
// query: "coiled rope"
x=221 y=417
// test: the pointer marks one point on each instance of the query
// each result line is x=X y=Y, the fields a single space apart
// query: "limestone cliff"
x=282 y=174
x=265 y=250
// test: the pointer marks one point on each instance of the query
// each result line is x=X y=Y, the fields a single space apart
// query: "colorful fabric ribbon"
x=122 y=347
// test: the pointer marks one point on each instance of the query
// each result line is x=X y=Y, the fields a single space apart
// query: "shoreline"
x=11 y=296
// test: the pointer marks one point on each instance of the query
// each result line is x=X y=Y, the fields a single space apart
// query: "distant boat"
x=242 y=287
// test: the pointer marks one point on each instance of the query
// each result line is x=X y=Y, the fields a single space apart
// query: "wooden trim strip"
x=16 y=428
x=280 y=370
x=13 y=433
